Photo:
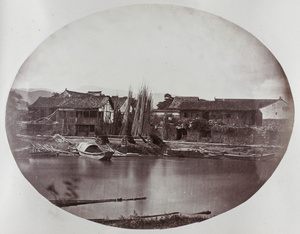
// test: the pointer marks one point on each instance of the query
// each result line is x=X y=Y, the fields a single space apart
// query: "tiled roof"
x=231 y=105
x=69 y=93
x=259 y=102
x=118 y=101
x=71 y=102
x=86 y=102
x=178 y=100
x=47 y=102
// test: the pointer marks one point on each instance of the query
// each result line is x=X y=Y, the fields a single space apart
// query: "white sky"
x=173 y=49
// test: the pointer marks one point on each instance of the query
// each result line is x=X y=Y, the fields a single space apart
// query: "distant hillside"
x=31 y=96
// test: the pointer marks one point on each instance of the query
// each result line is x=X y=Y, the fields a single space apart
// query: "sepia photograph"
x=149 y=116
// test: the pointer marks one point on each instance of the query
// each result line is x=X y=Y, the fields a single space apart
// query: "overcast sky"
x=173 y=49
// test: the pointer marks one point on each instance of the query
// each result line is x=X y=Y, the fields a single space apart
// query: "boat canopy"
x=88 y=147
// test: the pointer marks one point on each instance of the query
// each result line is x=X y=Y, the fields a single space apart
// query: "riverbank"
x=172 y=220
x=143 y=148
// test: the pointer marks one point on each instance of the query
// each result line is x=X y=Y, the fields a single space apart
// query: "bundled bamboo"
x=141 y=121
x=125 y=129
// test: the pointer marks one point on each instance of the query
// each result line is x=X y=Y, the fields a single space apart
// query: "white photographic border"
x=25 y=24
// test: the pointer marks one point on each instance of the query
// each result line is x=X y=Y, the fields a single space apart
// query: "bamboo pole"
x=67 y=203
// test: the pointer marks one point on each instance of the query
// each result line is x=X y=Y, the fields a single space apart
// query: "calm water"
x=186 y=185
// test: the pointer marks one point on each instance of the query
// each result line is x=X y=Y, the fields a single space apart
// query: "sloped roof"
x=71 y=102
x=180 y=99
x=231 y=105
x=259 y=102
x=69 y=93
x=47 y=102
x=118 y=101
x=86 y=102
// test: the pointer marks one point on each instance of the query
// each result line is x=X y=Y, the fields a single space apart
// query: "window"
x=86 y=114
x=93 y=114
x=86 y=128
x=78 y=113
x=92 y=128
x=70 y=114
x=205 y=115
x=62 y=114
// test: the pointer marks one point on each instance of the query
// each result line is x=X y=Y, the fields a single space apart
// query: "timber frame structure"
x=72 y=113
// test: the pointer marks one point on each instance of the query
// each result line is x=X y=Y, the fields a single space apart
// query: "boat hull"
x=93 y=151
x=105 y=156
x=43 y=154
x=188 y=153
x=250 y=157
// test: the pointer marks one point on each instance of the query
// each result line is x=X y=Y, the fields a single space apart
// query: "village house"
x=235 y=112
x=171 y=106
x=229 y=111
x=72 y=113
x=278 y=112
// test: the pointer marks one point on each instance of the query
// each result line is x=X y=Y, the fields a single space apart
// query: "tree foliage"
x=166 y=103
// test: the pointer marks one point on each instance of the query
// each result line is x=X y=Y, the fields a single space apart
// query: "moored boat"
x=42 y=154
x=119 y=154
x=184 y=152
x=251 y=157
x=93 y=151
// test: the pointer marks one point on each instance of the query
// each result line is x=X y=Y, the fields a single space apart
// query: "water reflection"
x=186 y=185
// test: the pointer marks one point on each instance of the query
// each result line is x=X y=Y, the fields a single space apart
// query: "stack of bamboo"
x=141 y=120
x=125 y=129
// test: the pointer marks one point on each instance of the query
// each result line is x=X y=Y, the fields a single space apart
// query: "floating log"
x=67 y=203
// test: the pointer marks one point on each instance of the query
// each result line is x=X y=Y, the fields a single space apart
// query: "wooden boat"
x=43 y=154
x=93 y=151
x=184 y=152
x=214 y=155
x=252 y=157
x=119 y=154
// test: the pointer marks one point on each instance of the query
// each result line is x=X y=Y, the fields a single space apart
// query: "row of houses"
x=87 y=114
x=235 y=112
x=229 y=111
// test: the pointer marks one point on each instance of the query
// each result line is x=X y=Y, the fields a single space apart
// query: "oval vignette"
x=149 y=116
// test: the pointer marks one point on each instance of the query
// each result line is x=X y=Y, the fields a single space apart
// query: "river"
x=186 y=185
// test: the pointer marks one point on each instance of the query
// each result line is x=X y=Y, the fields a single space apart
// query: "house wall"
x=108 y=113
x=226 y=117
x=163 y=113
x=237 y=117
x=278 y=110
x=123 y=107
x=80 y=122
x=187 y=114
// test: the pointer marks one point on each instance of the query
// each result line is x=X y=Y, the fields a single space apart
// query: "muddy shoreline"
x=142 y=148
